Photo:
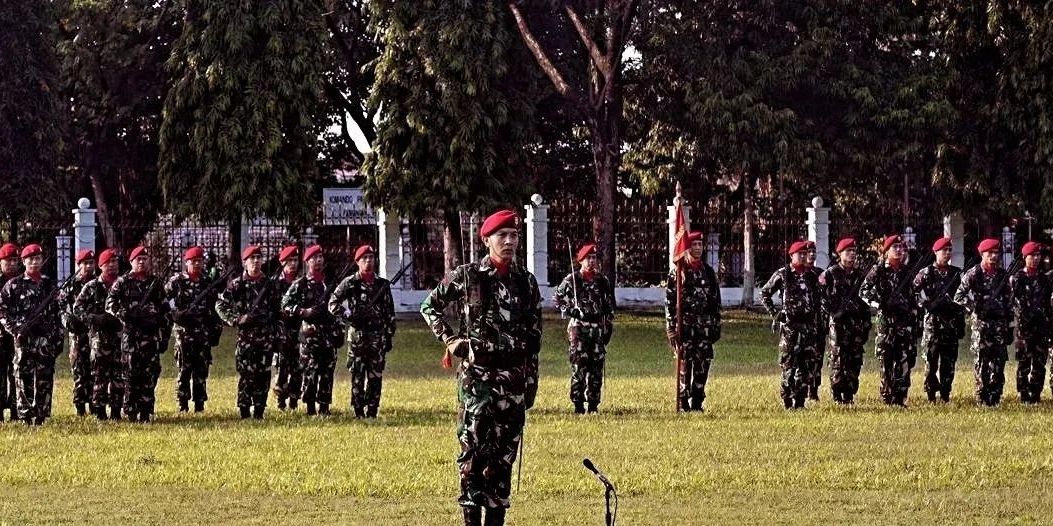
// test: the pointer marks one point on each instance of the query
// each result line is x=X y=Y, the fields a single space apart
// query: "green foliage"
x=243 y=115
x=453 y=117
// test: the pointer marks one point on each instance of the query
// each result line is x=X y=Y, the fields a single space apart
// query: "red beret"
x=797 y=246
x=9 y=250
x=987 y=245
x=941 y=243
x=584 y=251
x=363 y=250
x=287 y=253
x=694 y=236
x=311 y=252
x=193 y=252
x=497 y=221
x=84 y=255
x=32 y=250
x=845 y=244
x=889 y=241
x=106 y=255
x=250 y=251
x=809 y=244
x=136 y=252
x=1031 y=247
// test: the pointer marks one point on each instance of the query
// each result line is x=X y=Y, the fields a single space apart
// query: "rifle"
x=947 y=286
x=398 y=275
x=854 y=291
x=38 y=310
x=201 y=295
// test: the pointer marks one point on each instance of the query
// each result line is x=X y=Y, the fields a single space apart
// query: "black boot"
x=245 y=412
x=495 y=517
x=292 y=404
x=144 y=416
x=99 y=412
x=281 y=403
x=82 y=409
x=945 y=395
x=323 y=409
x=594 y=407
x=371 y=411
x=310 y=408
x=199 y=406
x=184 y=406
x=813 y=393
x=579 y=408
x=473 y=515
x=115 y=412
x=359 y=412
x=257 y=412
x=787 y=402
x=931 y=395
x=798 y=402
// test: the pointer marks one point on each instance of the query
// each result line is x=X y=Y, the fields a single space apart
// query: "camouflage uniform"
x=887 y=289
x=319 y=338
x=589 y=331
x=992 y=316
x=138 y=302
x=797 y=329
x=1031 y=305
x=700 y=330
x=7 y=365
x=370 y=328
x=79 y=347
x=944 y=325
x=502 y=322
x=821 y=328
x=195 y=327
x=287 y=385
x=258 y=300
x=37 y=342
x=848 y=328
x=108 y=362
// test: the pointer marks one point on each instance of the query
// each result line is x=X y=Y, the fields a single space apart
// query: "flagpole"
x=679 y=307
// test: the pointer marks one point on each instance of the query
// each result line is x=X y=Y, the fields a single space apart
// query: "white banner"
x=346 y=206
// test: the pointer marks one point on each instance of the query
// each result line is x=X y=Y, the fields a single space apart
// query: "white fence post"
x=954 y=228
x=63 y=258
x=537 y=238
x=819 y=231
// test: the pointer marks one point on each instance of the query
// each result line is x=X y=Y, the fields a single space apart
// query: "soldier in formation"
x=693 y=332
x=497 y=342
x=1030 y=291
x=9 y=270
x=944 y=320
x=587 y=298
x=795 y=321
x=192 y=299
x=287 y=384
x=822 y=323
x=79 y=346
x=984 y=292
x=104 y=338
x=849 y=321
x=363 y=302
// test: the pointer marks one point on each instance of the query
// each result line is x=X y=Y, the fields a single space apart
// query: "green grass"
x=746 y=460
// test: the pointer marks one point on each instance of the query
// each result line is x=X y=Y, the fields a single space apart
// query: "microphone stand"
x=610 y=493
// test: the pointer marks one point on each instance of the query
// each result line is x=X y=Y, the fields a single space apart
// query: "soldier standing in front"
x=498 y=340
x=887 y=288
x=193 y=302
x=587 y=298
x=822 y=327
x=985 y=293
x=795 y=323
x=287 y=384
x=8 y=271
x=1031 y=305
x=79 y=345
x=107 y=363
x=700 y=320
x=849 y=325
x=944 y=322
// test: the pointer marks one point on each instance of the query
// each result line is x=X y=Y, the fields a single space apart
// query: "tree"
x=453 y=118
x=244 y=112
x=29 y=110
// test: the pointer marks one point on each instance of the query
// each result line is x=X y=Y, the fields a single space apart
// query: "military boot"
x=579 y=408
x=359 y=412
x=115 y=412
x=184 y=406
x=281 y=403
x=323 y=409
x=310 y=408
x=292 y=404
x=813 y=393
x=594 y=407
x=257 y=412
x=82 y=409
x=245 y=411
x=371 y=411
x=945 y=395
x=199 y=406
x=494 y=517
x=144 y=416
x=473 y=515
x=99 y=412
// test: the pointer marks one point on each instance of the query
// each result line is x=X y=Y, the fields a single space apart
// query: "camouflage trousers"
x=796 y=356
x=193 y=359
x=696 y=358
x=896 y=352
x=816 y=372
x=1031 y=356
x=318 y=364
x=253 y=364
x=34 y=381
x=80 y=367
x=287 y=385
x=367 y=377
x=586 y=355
x=940 y=360
x=7 y=375
x=491 y=419
x=108 y=378
x=846 y=360
x=990 y=341
x=142 y=370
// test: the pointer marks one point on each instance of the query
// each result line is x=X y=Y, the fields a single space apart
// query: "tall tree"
x=453 y=118
x=244 y=113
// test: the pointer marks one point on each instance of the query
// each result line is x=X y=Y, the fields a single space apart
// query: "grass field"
x=746 y=460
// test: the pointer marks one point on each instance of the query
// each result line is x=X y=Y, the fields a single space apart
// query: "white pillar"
x=309 y=238
x=1008 y=246
x=819 y=231
x=954 y=228
x=246 y=231
x=910 y=239
x=63 y=258
x=671 y=221
x=537 y=238
x=391 y=247
x=84 y=226
x=713 y=250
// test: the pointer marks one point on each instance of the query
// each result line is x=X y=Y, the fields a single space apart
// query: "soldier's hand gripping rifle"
x=38 y=310
x=253 y=316
x=320 y=310
x=944 y=291
x=377 y=294
x=853 y=292
x=178 y=316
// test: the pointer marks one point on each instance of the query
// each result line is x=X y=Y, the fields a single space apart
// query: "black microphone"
x=595 y=471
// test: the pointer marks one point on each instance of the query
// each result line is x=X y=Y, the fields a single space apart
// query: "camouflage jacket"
x=324 y=331
x=19 y=298
x=594 y=298
x=700 y=301
x=290 y=323
x=359 y=314
x=840 y=293
x=1031 y=303
x=256 y=298
x=978 y=295
x=196 y=322
x=934 y=287
x=499 y=315
x=889 y=291
x=800 y=295
x=90 y=307
x=67 y=296
x=140 y=305
x=5 y=337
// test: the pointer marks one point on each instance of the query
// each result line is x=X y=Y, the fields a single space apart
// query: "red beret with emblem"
x=311 y=252
x=497 y=221
x=84 y=255
x=584 y=251
x=809 y=244
x=1031 y=247
x=9 y=250
x=193 y=253
x=845 y=244
x=250 y=251
x=363 y=250
x=32 y=250
x=941 y=243
x=106 y=255
x=797 y=246
x=136 y=252
x=694 y=236
x=987 y=245
x=287 y=252
x=891 y=240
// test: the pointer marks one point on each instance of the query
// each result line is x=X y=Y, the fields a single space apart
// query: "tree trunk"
x=102 y=209
x=606 y=153
x=234 y=238
x=452 y=245
x=749 y=276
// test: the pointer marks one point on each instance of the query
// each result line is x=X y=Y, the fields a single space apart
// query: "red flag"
x=682 y=244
